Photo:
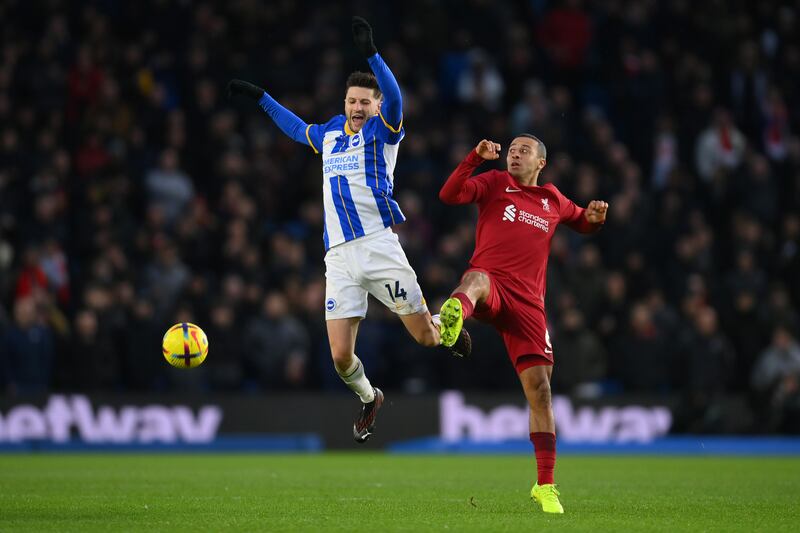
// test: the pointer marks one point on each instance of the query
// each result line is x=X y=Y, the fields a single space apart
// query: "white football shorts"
x=375 y=264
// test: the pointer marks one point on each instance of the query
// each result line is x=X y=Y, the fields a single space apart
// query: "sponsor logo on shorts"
x=330 y=304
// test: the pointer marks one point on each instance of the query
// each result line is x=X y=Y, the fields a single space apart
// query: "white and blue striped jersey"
x=357 y=168
x=357 y=177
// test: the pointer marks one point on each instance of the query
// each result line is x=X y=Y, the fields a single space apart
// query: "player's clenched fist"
x=596 y=211
x=244 y=88
x=362 y=35
x=488 y=150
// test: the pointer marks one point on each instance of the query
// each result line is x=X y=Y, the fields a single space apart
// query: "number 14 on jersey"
x=398 y=292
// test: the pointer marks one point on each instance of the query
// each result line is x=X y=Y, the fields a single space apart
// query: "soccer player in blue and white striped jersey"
x=363 y=255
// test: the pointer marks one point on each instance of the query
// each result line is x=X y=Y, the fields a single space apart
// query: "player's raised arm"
x=391 y=111
x=289 y=123
x=459 y=189
x=583 y=220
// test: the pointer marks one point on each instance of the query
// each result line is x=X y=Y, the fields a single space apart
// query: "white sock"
x=355 y=378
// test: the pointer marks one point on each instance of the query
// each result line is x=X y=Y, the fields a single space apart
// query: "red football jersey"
x=515 y=223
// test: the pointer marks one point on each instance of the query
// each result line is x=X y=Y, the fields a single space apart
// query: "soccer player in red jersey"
x=505 y=283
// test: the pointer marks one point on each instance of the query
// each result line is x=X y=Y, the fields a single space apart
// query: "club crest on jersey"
x=344 y=142
x=330 y=305
x=510 y=213
x=545 y=205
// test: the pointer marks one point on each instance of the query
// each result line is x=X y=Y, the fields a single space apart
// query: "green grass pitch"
x=378 y=492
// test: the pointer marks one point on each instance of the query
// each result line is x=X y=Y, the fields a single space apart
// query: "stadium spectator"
x=31 y=278
x=582 y=368
x=165 y=276
x=709 y=364
x=227 y=369
x=28 y=351
x=168 y=187
x=277 y=346
x=746 y=331
x=565 y=32
x=480 y=84
x=94 y=362
x=643 y=359
x=776 y=380
x=720 y=146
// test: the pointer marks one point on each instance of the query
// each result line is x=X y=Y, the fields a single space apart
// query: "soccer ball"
x=185 y=345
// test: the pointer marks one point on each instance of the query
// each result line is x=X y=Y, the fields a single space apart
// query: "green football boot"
x=547 y=497
x=451 y=321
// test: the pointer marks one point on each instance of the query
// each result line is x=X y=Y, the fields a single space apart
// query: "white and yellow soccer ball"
x=185 y=345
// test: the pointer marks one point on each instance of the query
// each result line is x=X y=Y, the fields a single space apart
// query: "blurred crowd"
x=134 y=195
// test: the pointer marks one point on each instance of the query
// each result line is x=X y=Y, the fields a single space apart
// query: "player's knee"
x=476 y=278
x=543 y=395
x=476 y=284
x=536 y=383
x=342 y=356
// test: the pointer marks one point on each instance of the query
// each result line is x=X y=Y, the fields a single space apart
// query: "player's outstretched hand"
x=245 y=88
x=362 y=36
x=488 y=150
x=596 y=211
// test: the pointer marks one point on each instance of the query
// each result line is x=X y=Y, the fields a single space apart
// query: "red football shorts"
x=520 y=321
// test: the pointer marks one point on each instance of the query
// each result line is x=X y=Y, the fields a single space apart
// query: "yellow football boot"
x=451 y=321
x=547 y=497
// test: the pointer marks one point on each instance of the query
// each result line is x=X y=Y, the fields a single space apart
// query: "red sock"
x=545 y=446
x=466 y=306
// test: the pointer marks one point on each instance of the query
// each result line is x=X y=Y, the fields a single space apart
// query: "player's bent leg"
x=475 y=285
x=474 y=288
x=420 y=325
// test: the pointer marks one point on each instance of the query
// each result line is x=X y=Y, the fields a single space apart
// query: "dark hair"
x=364 y=79
x=542 y=147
